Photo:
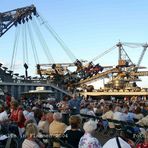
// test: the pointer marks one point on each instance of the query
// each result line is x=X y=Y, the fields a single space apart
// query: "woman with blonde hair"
x=31 y=140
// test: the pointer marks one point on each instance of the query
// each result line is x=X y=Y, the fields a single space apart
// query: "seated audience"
x=37 y=113
x=3 y=115
x=74 y=134
x=90 y=110
x=31 y=140
x=17 y=116
x=109 y=115
x=49 y=117
x=116 y=142
x=43 y=124
x=87 y=140
x=145 y=143
x=117 y=113
x=56 y=127
x=29 y=114
x=138 y=113
x=143 y=121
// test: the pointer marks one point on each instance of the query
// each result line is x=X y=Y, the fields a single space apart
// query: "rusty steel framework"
x=15 y=17
x=124 y=75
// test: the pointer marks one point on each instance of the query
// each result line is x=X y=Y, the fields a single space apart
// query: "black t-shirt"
x=73 y=137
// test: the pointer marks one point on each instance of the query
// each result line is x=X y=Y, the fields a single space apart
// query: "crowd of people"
x=35 y=122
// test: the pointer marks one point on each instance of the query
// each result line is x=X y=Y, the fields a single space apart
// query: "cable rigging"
x=24 y=44
x=33 y=44
x=123 y=73
x=42 y=41
x=58 y=39
x=102 y=54
x=15 y=45
x=145 y=46
x=132 y=45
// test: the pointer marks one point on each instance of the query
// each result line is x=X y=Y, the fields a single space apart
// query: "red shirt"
x=15 y=117
x=8 y=100
x=142 y=145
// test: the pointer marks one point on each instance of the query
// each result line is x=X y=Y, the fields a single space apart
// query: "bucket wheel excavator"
x=122 y=77
x=125 y=75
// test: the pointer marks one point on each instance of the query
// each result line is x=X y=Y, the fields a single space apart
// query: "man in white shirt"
x=113 y=143
x=117 y=113
x=3 y=114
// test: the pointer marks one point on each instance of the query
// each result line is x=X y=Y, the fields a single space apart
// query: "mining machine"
x=15 y=18
x=61 y=74
x=12 y=18
x=123 y=76
x=55 y=72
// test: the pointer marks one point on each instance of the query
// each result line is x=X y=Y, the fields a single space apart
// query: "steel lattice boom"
x=15 y=17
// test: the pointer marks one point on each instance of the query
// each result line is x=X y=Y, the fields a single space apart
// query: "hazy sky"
x=88 y=28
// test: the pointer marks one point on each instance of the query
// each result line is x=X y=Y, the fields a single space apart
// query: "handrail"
x=115 y=121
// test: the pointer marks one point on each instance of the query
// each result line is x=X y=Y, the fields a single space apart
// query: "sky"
x=87 y=27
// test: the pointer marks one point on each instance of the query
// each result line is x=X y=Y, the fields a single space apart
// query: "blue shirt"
x=74 y=105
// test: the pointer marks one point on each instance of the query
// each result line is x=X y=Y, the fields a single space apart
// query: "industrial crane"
x=22 y=15
x=54 y=70
x=125 y=74
x=15 y=17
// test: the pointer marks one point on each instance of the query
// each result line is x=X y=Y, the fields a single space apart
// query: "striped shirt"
x=29 y=144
